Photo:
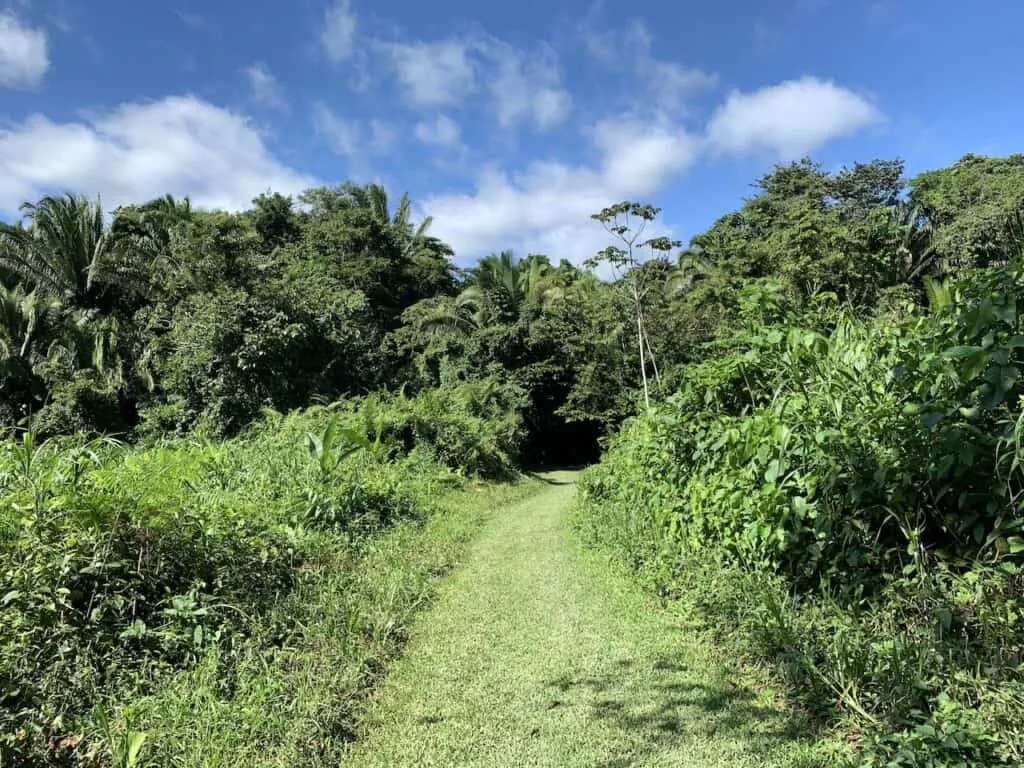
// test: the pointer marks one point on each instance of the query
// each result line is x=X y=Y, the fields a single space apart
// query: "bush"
x=846 y=492
x=119 y=566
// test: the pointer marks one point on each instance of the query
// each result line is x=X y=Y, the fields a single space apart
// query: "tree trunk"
x=640 y=343
x=650 y=354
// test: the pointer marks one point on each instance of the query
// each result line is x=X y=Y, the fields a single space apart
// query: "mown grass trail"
x=538 y=655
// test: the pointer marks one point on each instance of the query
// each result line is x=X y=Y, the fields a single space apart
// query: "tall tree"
x=59 y=249
x=628 y=221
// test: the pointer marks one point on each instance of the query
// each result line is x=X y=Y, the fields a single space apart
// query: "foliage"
x=969 y=204
x=846 y=490
x=830 y=460
x=120 y=566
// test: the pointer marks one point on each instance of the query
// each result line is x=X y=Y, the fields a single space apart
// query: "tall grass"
x=253 y=581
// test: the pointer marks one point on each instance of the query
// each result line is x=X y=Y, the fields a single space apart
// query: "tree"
x=628 y=221
x=25 y=320
x=275 y=220
x=914 y=251
x=143 y=258
x=501 y=287
x=61 y=250
x=968 y=204
x=387 y=257
x=691 y=267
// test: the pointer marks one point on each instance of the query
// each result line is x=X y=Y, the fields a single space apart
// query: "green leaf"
x=316 y=447
x=956 y=352
x=1015 y=544
x=135 y=741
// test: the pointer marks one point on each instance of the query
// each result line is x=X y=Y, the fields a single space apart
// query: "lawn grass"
x=538 y=654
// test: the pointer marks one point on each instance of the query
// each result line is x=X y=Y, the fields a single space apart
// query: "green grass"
x=298 y=706
x=538 y=654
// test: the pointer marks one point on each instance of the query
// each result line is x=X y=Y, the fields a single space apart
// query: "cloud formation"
x=24 y=54
x=350 y=137
x=666 y=85
x=526 y=86
x=442 y=131
x=180 y=145
x=547 y=207
x=432 y=74
x=789 y=119
x=338 y=31
x=523 y=87
x=264 y=87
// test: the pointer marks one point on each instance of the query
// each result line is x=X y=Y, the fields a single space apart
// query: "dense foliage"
x=839 y=476
x=166 y=319
x=213 y=420
x=122 y=566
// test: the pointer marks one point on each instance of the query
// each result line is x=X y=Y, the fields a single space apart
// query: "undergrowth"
x=841 y=497
x=253 y=580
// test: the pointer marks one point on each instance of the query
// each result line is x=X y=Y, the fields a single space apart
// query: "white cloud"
x=666 y=85
x=264 y=87
x=547 y=207
x=193 y=21
x=433 y=74
x=350 y=137
x=526 y=87
x=343 y=135
x=442 y=131
x=24 y=57
x=522 y=86
x=669 y=83
x=638 y=157
x=179 y=145
x=789 y=119
x=338 y=35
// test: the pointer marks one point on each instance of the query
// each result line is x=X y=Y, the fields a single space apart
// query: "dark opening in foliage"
x=555 y=442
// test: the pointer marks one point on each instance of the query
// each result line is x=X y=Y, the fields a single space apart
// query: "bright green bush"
x=473 y=428
x=847 y=492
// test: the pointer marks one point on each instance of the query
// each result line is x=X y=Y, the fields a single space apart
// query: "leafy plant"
x=332 y=446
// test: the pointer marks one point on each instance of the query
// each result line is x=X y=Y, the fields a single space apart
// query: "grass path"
x=538 y=655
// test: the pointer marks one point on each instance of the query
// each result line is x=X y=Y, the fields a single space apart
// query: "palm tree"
x=914 y=252
x=692 y=266
x=461 y=315
x=142 y=242
x=374 y=199
x=60 y=250
x=501 y=286
x=26 y=320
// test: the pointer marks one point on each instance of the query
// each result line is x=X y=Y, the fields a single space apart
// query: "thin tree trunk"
x=640 y=343
x=650 y=354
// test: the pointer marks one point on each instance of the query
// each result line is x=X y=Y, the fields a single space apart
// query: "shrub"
x=846 y=491
x=121 y=566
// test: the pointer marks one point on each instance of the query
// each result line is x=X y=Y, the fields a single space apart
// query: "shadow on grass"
x=544 y=477
x=656 y=705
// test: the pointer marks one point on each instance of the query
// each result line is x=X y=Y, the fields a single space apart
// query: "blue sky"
x=508 y=122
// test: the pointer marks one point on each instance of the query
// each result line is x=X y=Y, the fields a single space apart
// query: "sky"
x=509 y=123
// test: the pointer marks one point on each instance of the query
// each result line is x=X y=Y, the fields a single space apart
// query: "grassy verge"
x=537 y=654
x=196 y=602
x=298 y=704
